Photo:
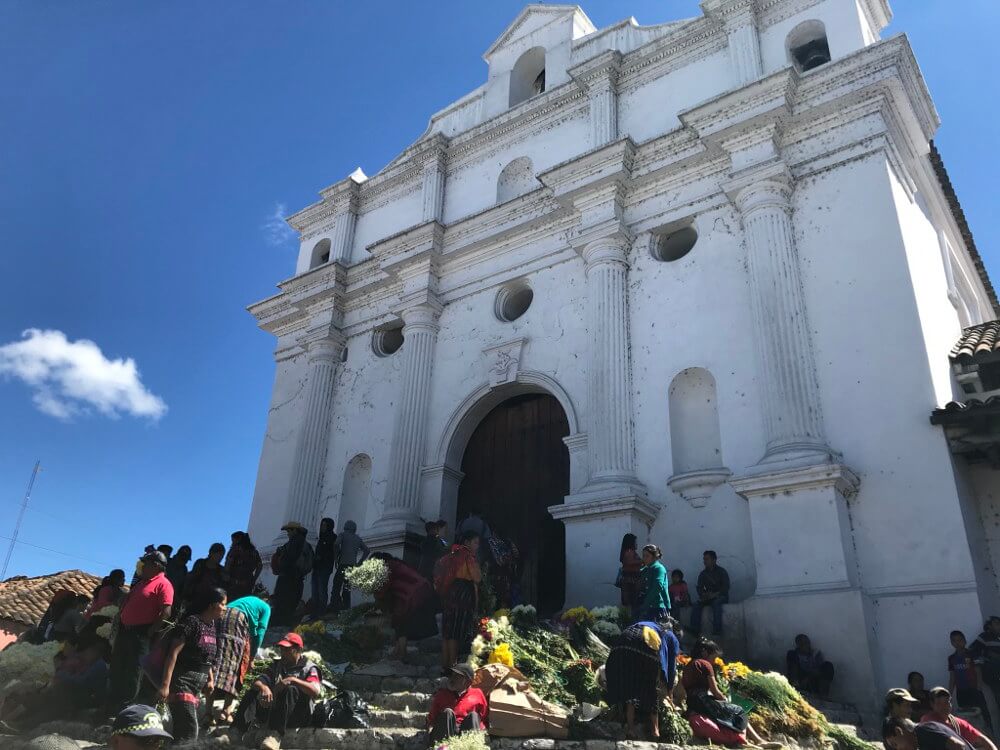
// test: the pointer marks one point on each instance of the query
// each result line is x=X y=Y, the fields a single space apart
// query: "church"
x=706 y=282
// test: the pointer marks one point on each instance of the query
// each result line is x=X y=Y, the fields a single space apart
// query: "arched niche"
x=320 y=254
x=527 y=77
x=807 y=46
x=516 y=179
x=355 y=495
x=695 y=440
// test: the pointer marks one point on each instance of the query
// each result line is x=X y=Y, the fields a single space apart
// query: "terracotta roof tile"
x=25 y=599
x=977 y=342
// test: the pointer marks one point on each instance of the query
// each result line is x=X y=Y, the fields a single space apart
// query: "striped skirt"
x=233 y=654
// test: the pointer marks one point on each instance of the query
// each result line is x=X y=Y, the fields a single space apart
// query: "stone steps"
x=400 y=701
x=395 y=719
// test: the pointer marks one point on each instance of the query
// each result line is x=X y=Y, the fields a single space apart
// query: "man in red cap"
x=283 y=696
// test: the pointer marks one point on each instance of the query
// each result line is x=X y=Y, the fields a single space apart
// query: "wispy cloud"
x=71 y=377
x=276 y=231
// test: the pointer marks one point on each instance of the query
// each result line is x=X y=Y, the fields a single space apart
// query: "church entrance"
x=516 y=465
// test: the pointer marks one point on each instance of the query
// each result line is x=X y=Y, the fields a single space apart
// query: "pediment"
x=534 y=17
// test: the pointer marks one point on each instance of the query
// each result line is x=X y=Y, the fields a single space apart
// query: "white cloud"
x=70 y=377
x=276 y=230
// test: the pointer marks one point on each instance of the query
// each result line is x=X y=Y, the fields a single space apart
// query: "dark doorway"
x=516 y=465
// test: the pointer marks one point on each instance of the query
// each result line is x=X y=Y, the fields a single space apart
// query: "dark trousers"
x=125 y=673
x=341 y=596
x=816 y=680
x=716 y=605
x=286 y=598
x=289 y=709
x=320 y=590
x=185 y=697
x=974 y=698
x=446 y=725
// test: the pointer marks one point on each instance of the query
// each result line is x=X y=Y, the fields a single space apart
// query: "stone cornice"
x=601 y=70
x=778 y=481
x=573 y=180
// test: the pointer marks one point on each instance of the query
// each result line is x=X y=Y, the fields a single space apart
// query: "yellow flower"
x=502 y=655
x=719 y=663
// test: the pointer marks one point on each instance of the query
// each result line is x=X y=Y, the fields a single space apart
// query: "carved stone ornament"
x=503 y=361
x=697 y=486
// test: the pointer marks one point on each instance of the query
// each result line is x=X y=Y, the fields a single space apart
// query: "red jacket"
x=471 y=700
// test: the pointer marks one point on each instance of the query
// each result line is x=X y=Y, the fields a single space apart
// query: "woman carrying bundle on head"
x=643 y=660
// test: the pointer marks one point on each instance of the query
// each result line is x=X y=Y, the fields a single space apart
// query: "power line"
x=56 y=551
x=20 y=517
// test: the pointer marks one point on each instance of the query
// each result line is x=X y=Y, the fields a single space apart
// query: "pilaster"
x=739 y=20
x=599 y=78
x=434 y=175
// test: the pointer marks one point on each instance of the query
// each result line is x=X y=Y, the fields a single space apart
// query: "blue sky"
x=147 y=148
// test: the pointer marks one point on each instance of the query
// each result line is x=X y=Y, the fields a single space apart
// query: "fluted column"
x=603 y=111
x=432 y=189
x=420 y=331
x=744 y=51
x=343 y=236
x=793 y=418
x=610 y=439
x=311 y=444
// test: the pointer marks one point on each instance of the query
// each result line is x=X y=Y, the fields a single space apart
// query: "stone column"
x=420 y=330
x=610 y=435
x=793 y=418
x=738 y=19
x=343 y=236
x=604 y=110
x=432 y=189
x=324 y=354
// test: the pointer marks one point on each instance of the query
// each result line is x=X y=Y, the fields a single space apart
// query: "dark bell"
x=813 y=54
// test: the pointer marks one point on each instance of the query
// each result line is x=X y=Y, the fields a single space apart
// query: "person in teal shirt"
x=258 y=614
x=655 y=602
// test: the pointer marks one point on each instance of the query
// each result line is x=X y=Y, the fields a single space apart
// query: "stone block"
x=601 y=745
x=539 y=744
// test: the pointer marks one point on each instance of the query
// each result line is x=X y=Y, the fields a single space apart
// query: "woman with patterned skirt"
x=462 y=575
x=232 y=660
x=646 y=654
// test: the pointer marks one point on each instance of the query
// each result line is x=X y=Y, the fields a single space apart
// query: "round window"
x=671 y=246
x=387 y=341
x=513 y=301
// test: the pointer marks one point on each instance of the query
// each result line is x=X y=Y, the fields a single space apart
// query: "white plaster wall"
x=278 y=451
x=983 y=485
x=651 y=109
x=695 y=312
x=374 y=224
x=473 y=187
x=363 y=408
x=846 y=32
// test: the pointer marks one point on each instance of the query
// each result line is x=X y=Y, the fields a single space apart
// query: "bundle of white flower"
x=369 y=577
x=606 y=630
x=524 y=615
x=25 y=666
x=498 y=628
x=104 y=631
x=608 y=614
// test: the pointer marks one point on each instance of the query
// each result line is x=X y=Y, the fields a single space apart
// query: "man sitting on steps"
x=713 y=591
x=282 y=698
x=806 y=668
x=458 y=707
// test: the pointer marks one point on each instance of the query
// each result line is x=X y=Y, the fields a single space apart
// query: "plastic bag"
x=345 y=710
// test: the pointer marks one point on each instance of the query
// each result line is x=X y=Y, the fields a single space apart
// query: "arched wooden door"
x=516 y=465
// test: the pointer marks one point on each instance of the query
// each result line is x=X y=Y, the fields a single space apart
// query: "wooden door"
x=516 y=465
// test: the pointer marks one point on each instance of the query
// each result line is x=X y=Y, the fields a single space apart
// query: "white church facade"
x=696 y=281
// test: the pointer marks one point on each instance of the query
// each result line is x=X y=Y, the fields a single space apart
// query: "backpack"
x=305 y=562
x=444 y=573
x=345 y=710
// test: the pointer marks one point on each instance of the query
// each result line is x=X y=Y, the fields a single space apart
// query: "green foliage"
x=779 y=707
x=467 y=741
x=581 y=681
x=847 y=741
x=540 y=656
x=674 y=728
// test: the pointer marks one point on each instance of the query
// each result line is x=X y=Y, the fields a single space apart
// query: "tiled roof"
x=963 y=225
x=25 y=600
x=977 y=342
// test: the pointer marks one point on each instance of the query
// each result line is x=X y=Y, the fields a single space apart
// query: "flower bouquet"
x=370 y=577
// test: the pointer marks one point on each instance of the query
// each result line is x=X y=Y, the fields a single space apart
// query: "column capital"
x=610 y=249
x=599 y=73
x=771 y=187
x=422 y=317
x=731 y=13
x=324 y=343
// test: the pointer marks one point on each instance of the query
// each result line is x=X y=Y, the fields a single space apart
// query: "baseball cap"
x=292 y=640
x=463 y=669
x=939 y=691
x=900 y=694
x=293 y=526
x=139 y=721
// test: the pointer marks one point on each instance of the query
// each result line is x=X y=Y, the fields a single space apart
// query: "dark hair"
x=677 y=573
x=217 y=547
x=628 y=542
x=166 y=549
x=442 y=523
x=205 y=599
x=431 y=526
x=958 y=633
x=711 y=553
x=653 y=550
x=800 y=638
x=382 y=556
x=184 y=548
x=468 y=536
x=892 y=723
x=106 y=581
x=911 y=675
x=674 y=626
x=705 y=647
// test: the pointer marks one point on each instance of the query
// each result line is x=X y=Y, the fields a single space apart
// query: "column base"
x=795 y=456
x=596 y=519
x=399 y=540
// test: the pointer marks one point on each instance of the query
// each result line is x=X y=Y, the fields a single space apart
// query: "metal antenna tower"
x=20 y=517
